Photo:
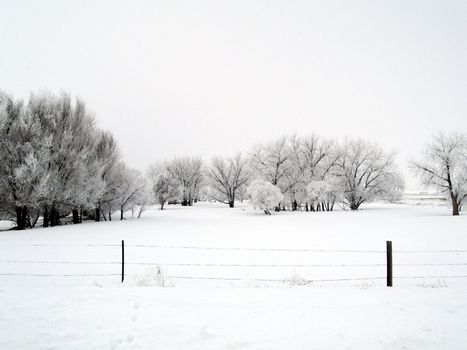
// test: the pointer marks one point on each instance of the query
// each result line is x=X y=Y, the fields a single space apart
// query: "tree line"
x=55 y=162
x=290 y=173
x=57 y=165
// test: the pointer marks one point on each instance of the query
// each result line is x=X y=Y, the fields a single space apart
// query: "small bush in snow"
x=296 y=280
x=437 y=284
x=152 y=277
x=365 y=284
x=264 y=195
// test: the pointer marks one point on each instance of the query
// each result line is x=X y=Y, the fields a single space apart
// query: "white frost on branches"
x=264 y=195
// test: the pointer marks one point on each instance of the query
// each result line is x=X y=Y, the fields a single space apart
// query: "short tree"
x=264 y=195
x=366 y=173
x=165 y=189
x=443 y=165
x=226 y=177
x=188 y=171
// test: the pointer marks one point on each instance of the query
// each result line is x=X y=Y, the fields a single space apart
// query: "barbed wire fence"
x=122 y=263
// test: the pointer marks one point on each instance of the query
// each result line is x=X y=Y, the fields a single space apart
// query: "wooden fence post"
x=389 y=263
x=123 y=260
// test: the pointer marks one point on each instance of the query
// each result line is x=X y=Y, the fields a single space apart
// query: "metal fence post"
x=123 y=260
x=389 y=263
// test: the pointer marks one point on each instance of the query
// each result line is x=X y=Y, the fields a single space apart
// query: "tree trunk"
x=140 y=212
x=75 y=216
x=57 y=217
x=46 y=221
x=20 y=217
x=354 y=206
x=294 y=205
x=98 y=214
x=121 y=213
x=34 y=221
x=306 y=206
x=53 y=216
x=231 y=203
x=455 y=205
x=110 y=215
x=162 y=205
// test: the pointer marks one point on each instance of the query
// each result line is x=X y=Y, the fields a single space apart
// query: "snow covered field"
x=287 y=281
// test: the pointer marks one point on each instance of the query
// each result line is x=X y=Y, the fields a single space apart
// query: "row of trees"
x=55 y=162
x=314 y=174
x=309 y=173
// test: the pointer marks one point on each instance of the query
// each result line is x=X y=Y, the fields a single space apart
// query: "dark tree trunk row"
x=22 y=217
x=75 y=216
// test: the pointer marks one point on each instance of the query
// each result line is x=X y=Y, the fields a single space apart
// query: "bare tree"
x=226 y=177
x=189 y=173
x=132 y=190
x=270 y=161
x=165 y=189
x=443 y=164
x=366 y=173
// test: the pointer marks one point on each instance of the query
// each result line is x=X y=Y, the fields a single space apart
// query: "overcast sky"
x=214 y=77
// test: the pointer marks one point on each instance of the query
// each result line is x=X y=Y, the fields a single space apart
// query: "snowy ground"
x=261 y=302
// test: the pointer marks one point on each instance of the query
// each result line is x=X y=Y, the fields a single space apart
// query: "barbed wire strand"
x=217 y=264
x=237 y=248
x=61 y=275
x=236 y=278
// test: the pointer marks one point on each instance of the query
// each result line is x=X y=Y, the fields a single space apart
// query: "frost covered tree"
x=269 y=161
x=188 y=171
x=132 y=191
x=443 y=165
x=293 y=182
x=165 y=189
x=226 y=177
x=322 y=160
x=54 y=161
x=264 y=195
x=367 y=173
x=312 y=159
x=23 y=155
x=72 y=140
x=48 y=156
x=108 y=158
x=323 y=195
x=293 y=162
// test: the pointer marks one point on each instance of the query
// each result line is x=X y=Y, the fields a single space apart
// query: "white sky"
x=214 y=77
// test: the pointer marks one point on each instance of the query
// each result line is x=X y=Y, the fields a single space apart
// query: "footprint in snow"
x=130 y=338
x=237 y=345
x=115 y=343
x=207 y=332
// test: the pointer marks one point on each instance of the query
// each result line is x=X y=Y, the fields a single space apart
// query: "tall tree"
x=226 y=177
x=443 y=165
x=188 y=171
x=367 y=173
